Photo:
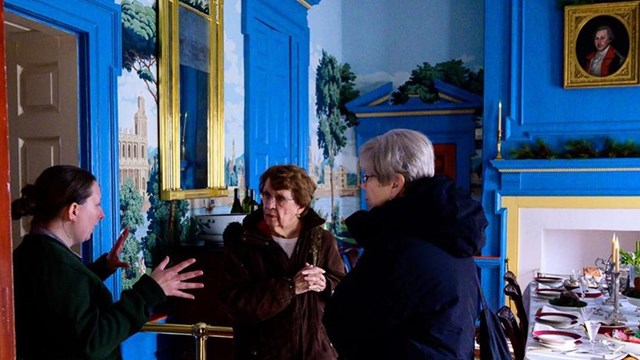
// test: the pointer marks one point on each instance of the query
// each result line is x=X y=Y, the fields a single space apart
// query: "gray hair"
x=402 y=151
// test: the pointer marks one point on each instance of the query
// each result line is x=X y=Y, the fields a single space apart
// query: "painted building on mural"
x=134 y=145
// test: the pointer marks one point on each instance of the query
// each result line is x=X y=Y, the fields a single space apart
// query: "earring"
x=298 y=216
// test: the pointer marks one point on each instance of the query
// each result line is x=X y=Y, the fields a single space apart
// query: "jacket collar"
x=257 y=231
x=433 y=209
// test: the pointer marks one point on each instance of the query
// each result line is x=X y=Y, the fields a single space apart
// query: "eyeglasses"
x=366 y=178
x=280 y=200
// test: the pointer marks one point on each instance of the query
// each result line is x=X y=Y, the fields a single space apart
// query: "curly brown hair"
x=290 y=177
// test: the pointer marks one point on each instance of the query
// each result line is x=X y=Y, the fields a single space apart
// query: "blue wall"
x=524 y=68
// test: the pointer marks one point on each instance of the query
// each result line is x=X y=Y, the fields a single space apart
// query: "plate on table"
x=561 y=347
x=557 y=320
x=568 y=308
x=548 y=280
x=567 y=305
x=629 y=347
x=589 y=294
x=557 y=339
x=548 y=293
x=633 y=301
x=608 y=328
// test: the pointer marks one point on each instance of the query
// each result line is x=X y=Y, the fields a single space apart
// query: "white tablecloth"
x=535 y=351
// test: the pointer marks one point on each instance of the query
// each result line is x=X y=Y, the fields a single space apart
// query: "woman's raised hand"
x=173 y=282
x=113 y=258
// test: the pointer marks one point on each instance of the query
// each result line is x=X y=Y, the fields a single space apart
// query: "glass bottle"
x=246 y=201
x=252 y=201
x=236 y=207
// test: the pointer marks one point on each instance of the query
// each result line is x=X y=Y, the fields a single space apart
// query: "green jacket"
x=64 y=311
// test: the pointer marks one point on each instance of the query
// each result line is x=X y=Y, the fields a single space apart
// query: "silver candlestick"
x=616 y=316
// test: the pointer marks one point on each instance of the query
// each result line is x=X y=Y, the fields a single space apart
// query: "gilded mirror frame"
x=179 y=153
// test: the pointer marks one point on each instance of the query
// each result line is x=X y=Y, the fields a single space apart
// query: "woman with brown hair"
x=63 y=309
x=280 y=268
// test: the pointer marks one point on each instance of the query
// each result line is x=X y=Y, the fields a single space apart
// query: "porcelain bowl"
x=633 y=301
x=211 y=226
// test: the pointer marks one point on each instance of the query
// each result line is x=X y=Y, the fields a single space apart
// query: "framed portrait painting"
x=601 y=44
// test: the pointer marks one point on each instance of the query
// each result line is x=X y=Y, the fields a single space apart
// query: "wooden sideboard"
x=205 y=308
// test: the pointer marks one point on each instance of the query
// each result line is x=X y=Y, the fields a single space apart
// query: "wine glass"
x=584 y=286
x=592 y=327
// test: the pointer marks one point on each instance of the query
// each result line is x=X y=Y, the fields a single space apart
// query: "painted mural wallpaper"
x=342 y=66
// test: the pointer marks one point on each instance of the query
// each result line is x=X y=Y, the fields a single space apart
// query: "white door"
x=42 y=96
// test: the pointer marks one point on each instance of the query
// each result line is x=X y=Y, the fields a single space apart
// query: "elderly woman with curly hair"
x=280 y=268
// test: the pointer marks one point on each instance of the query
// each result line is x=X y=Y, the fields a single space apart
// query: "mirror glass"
x=191 y=118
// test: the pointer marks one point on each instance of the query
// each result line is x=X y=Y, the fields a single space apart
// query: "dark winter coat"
x=64 y=310
x=270 y=321
x=414 y=293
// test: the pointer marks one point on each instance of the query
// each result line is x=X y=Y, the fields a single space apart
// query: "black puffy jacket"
x=414 y=292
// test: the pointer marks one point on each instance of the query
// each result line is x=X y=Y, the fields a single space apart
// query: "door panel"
x=270 y=128
x=42 y=102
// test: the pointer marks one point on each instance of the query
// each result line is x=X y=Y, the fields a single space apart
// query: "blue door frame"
x=96 y=25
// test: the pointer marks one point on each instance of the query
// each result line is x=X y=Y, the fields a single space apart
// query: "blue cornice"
x=453 y=101
x=569 y=177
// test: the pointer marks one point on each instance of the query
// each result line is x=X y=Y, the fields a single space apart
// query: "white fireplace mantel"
x=560 y=234
x=559 y=215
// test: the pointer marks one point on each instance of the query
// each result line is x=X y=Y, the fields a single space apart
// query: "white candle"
x=499 y=119
x=613 y=250
x=616 y=253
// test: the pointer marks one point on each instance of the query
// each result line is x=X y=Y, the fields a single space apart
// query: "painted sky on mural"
x=233 y=79
x=130 y=86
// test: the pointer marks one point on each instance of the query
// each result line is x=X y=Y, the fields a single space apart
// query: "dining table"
x=549 y=323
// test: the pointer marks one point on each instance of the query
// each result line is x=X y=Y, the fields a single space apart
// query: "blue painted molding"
x=378 y=94
x=565 y=177
x=452 y=98
x=97 y=24
x=490 y=273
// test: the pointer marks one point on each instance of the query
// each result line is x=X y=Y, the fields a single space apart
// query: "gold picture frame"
x=191 y=118
x=601 y=45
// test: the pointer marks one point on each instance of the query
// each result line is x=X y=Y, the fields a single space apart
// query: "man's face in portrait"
x=601 y=40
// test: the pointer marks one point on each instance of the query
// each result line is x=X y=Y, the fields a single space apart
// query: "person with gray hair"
x=414 y=292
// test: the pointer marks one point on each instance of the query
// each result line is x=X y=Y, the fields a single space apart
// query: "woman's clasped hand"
x=310 y=278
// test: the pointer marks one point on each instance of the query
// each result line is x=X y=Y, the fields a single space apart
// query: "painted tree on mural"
x=139 y=37
x=334 y=88
x=201 y=5
x=167 y=219
x=422 y=81
x=131 y=215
